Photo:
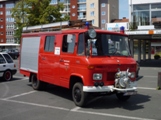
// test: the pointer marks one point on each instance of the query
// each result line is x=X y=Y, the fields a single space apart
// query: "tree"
x=35 y=12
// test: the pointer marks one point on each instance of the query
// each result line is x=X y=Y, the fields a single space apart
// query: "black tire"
x=7 y=76
x=121 y=96
x=36 y=84
x=79 y=97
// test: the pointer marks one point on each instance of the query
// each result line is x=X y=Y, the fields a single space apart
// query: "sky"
x=123 y=9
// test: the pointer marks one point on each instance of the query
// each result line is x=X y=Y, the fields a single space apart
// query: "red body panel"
x=57 y=69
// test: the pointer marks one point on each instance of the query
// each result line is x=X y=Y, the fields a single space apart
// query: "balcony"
x=81 y=1
x=80 y=9
x=80 y=17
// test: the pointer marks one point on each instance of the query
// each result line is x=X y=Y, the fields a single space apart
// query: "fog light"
x=96 y=84
x=101 y=84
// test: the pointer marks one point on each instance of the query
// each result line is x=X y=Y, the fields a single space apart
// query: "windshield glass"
x=108 y=44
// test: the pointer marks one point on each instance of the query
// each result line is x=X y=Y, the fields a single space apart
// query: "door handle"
x=61 y=60
x=4 y=65
x=43 y=58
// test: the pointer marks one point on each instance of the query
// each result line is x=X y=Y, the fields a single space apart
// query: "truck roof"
x=68 y=31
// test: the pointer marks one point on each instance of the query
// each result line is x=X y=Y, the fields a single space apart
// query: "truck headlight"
x=97 y=76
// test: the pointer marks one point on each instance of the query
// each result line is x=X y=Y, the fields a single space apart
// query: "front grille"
x=110 y=76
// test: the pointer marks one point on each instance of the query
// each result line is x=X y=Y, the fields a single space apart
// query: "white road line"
x=112 y=115
x=151 y=76
x=146 y=88
x=77 y=110
x=20 y=77
x=19 y=95
x=38 y=105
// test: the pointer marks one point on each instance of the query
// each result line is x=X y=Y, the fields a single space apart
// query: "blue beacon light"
x=87 y=25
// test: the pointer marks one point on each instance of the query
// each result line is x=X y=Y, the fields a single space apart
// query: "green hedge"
x=157 y=55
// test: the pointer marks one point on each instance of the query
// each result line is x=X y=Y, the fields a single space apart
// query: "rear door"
x=2 y=65
x=47 y=60
x=6 y=62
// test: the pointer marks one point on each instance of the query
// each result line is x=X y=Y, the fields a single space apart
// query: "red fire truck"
x=85 y=60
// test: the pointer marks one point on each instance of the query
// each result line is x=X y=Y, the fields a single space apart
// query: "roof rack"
x=57 y=26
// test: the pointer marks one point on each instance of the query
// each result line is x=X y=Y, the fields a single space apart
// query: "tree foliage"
x=35 y=12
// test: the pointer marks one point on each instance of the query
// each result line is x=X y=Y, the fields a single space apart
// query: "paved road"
x=19 y=101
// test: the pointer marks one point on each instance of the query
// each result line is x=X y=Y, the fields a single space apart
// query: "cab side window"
x=68 y=43
x=81 y=45
x=49 y=44
x=2 y=60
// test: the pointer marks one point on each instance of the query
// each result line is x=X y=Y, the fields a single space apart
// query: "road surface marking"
x=76 y=109
x=112 y=115
x=38 y=105
x=146 y=88
x=19 y=95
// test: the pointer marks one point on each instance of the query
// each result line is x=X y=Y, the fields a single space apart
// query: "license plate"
x=130 y=93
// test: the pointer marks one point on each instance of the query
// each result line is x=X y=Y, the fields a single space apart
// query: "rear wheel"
x=79 y=97
x=121 y=96
x=7 y=75
x=36 y=84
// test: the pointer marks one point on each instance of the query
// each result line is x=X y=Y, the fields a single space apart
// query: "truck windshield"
x=108 y=45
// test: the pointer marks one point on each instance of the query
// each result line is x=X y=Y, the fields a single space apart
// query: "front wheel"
x=121 y=96
x=7 y=76
x=36 y=84
x=79 y=97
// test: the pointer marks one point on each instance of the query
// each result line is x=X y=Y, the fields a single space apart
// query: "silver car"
x=7 y=66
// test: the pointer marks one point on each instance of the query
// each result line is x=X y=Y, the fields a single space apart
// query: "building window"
x=1 y=40
x=93 y=22
x=103 y=21
x=82 y=7
x=1 y=26
x=1 y=19
x=53 y=2
x=156 y=14
x=156 y=6
x=9 y=5
x=92 y=5
x=10 y=19
x=8 y=12
x=103 y=13
x=103 y=5
x=1 y=12
x=92 y=13
x=1 y=5
x=1 y=33
x=141 y=7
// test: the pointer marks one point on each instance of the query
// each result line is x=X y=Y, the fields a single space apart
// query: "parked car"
x=14 y=53
x=7 y=66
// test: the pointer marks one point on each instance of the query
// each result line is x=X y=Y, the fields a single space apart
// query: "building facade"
x=98 y=11
x=6 y=21
x=144 y=12
x=145 y=20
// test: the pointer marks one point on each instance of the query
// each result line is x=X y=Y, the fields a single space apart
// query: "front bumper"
x=110 y=88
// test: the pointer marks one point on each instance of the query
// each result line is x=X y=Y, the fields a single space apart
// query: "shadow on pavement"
x=108 y=102
x=150 y=63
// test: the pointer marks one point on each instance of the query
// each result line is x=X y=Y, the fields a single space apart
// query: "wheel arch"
x=74 y=78
x=31 y=75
